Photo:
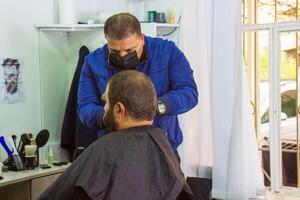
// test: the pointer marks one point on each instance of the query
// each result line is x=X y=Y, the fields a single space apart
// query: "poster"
x=11 y=81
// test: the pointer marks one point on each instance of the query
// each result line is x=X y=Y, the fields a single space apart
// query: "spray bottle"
x=50 y=156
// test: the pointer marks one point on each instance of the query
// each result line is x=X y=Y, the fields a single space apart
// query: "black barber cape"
x=133 y=164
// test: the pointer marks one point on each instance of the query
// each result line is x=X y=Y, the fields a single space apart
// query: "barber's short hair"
x=121 y=26
x=136 y=92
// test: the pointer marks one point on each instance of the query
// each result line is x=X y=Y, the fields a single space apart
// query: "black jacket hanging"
x=73 y=132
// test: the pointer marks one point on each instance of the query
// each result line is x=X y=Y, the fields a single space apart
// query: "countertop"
x=12 y=177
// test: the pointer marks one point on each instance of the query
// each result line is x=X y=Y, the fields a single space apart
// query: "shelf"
x=88 y=27
x=69 y=28
x=164 y=25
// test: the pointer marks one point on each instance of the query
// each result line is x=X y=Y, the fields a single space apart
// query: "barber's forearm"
x=179 y=101
x=91 y=116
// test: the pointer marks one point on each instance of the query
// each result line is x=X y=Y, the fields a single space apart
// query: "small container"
x=43 y=156
x=67 y=14
x=151 y=16
x=160 y=17
x=171 y=16
x=50 y=156
x=30 y=150
x=30 y=162
x=30 y=156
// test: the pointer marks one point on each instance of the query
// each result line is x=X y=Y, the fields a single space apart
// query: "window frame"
x=274 y=30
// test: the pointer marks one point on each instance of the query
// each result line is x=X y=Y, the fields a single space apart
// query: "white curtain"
x=195 y=37
x=219 y=132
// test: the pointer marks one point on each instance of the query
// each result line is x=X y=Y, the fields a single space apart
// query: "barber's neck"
x=130 y=123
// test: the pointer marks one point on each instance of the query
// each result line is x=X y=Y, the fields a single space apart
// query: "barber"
x=128 y=49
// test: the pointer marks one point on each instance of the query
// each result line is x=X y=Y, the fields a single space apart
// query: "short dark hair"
x=137 y=93
x=122 y=25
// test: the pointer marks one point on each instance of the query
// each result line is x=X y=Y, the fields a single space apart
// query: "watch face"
x=161 y=108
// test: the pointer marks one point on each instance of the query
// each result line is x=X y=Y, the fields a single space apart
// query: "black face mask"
x=129 y=61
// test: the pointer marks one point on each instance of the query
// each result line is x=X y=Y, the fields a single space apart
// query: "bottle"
x=151 y=16
x=171 y=16
x=50 y=156
x=67 y=12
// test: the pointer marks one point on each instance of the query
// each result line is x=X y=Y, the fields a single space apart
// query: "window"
x=266 y=17
x=270 y=11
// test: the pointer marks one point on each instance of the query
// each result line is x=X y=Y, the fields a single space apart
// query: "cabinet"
x=39 y=185
x=28 y=184
x=58 y=56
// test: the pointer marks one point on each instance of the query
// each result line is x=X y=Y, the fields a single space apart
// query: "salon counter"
x=28 y=184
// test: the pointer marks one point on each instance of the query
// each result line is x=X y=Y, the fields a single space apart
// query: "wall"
x=58 y=61
x=19 y=39
x=136 y=7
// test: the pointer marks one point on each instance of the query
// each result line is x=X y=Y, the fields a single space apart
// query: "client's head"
x=130 y=101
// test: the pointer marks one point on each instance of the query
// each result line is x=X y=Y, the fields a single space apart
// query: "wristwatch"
x=161 y=107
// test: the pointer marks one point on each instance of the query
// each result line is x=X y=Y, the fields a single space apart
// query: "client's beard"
x=109 y=121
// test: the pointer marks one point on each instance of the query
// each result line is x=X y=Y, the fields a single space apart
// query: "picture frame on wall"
x=11 y=81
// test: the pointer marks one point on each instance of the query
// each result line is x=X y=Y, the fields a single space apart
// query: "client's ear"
x=119 y=110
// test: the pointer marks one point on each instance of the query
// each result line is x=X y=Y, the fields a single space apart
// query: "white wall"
x=136 y=7
x=18 y=39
